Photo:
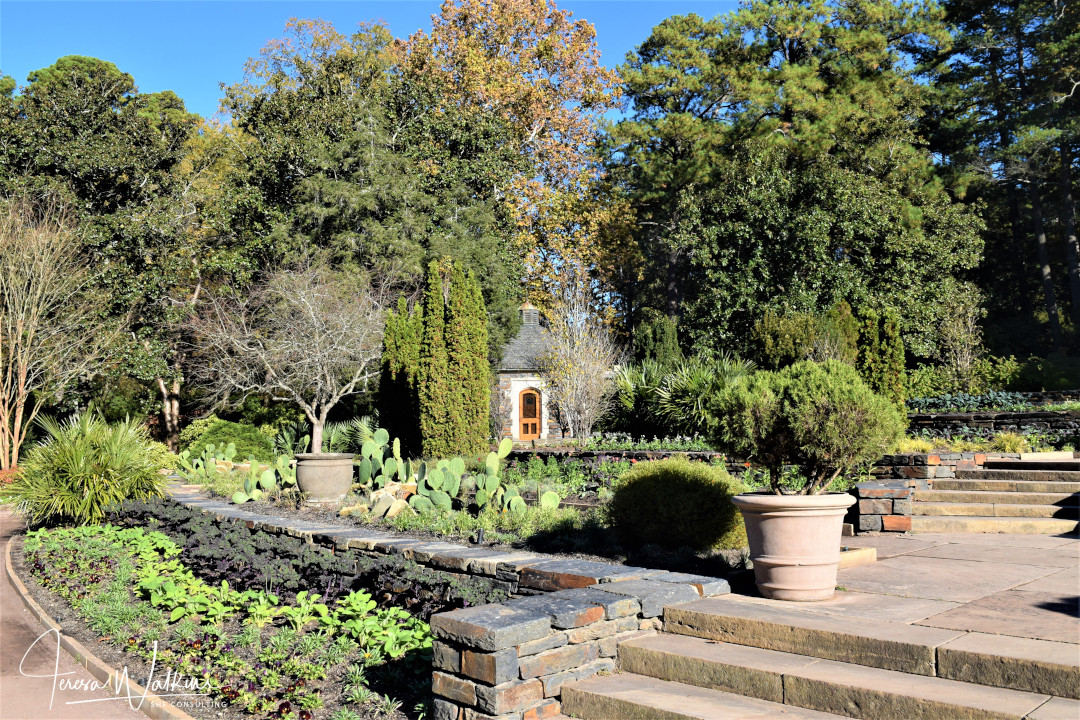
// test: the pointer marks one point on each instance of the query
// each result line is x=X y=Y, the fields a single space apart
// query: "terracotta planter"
x=794 y=542
x=324 y=477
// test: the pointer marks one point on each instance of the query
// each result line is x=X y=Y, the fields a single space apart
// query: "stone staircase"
x=1006 y=496
x=734 y=657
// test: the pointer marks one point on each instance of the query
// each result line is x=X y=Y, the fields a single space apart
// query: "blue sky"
x=190 y=47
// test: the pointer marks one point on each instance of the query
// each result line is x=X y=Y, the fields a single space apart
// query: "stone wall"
x=941 y=424
x=508 y=661
x=884 y=503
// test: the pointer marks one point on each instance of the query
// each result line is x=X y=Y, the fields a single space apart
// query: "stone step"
x=1043 y=465
x=1000 y=510
x=816 y=684
x=1003 y=481
x=989 y=524
x=627 y=695
x=991 y=497
x=887 y=645
x=996 y=661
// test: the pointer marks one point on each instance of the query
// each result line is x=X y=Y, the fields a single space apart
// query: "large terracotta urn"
x=324 y=477
x=794 y=542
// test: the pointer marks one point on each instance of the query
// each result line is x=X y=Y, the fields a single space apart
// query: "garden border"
x=151 y=705
x=508 y=660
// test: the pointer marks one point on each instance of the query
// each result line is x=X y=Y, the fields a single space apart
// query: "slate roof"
x=528 y=345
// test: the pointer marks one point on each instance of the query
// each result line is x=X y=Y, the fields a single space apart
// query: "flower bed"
x=256 y=655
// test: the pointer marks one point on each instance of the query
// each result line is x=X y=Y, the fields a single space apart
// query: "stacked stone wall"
x=508 y=661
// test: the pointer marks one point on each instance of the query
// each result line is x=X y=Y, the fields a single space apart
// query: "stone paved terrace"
x=1023 y=586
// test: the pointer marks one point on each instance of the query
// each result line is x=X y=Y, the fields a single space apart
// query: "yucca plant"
x=83 y=466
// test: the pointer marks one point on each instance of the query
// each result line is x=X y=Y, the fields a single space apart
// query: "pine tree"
x=458 y=349
x=399 y=403
x=433 y=377
x=869 y=347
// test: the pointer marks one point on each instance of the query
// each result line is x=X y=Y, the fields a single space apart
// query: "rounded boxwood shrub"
x=677 y=503
x=247 y=439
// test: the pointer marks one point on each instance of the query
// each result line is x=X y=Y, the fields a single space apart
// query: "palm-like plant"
x=682 y=396
x=82 y=467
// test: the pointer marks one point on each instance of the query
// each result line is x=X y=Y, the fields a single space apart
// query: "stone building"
x=520 y=401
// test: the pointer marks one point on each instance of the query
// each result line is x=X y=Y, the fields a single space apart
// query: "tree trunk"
x=1072 y=249
x=1044 y=263
x=1019 y=266
x=317 y=425
x=170 y=411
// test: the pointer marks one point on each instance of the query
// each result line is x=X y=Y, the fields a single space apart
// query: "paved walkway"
x=1026 y=586
x=23 y=697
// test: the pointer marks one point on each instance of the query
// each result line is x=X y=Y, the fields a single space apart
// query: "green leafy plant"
x=677 y=503
x=84 y=466
x=820 y=417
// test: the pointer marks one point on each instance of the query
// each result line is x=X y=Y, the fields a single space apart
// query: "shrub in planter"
x=82 y=467
x=677 y=503
x=823 y=419
x=820 y=417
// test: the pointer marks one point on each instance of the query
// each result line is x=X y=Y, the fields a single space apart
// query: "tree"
x=765 y=151
x=130 y=168
x=433 y=373
x=346 y=153
x=51 y=327
x=310 y=336
x=453 y=373
x=535 y=70
x=1006 y=130
x=467 y=364
x=578 y=368
x=399 y=410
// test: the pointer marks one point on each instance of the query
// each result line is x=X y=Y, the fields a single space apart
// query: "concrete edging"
x=151 y=705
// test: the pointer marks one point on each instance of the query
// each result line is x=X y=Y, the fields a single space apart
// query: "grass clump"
x=677 y=503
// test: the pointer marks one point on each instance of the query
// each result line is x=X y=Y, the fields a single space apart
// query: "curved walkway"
x=24 y=696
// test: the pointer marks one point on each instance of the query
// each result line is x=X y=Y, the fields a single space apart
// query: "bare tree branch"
x=51 y=333
x=578 y=369
x=311 y=337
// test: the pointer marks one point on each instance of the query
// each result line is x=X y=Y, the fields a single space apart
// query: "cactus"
x=550 y=500
x=268 y=480
x=420 y=503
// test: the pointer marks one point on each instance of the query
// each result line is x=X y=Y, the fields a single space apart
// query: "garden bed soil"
x=332 y=689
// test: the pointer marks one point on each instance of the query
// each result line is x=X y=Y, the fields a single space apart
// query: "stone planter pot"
x=324 y=477
x=794 y=542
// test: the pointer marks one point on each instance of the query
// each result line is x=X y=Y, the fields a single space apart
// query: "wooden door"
x=531 y=415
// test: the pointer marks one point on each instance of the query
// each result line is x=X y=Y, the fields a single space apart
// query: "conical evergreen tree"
x=399 y=403
x=476 y=375
x=433 y=381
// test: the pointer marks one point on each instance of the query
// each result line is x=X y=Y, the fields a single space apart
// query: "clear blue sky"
x=190 y=47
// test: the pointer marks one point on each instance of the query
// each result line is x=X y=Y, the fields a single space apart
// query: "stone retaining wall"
x=941 y=424
x=508 y=661
x=885 y=502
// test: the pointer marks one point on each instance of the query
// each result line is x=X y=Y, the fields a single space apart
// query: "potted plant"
x=823 y=420
x=312 y=336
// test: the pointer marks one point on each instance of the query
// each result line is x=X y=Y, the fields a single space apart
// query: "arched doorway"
x=530 y=416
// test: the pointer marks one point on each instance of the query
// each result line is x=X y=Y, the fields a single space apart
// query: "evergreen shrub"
x=248 y=439
x=677 y=503
x=820 y=417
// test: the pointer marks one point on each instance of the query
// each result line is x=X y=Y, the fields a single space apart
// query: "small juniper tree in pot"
x=824 y=420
